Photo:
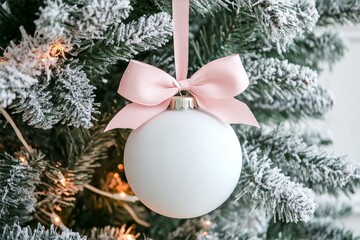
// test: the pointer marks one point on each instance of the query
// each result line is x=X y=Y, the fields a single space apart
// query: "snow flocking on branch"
x=124 y=41
x=92 y=19
x=12 y=84
x=31 y=56
x=52 y=17
x=321 y=171
x=36 y=107
x=145 y=33
x=272 y=79
x=338 y=11
x=234 y=219
x=281 y=89
x=19 y=176
x=282 y=20
x=270 y=189
x=74 y=96
x=86 y=20
x=16 y=232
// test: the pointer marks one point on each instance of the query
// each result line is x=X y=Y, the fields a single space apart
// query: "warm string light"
x=58 y=49
x=126 y=234
x=62 y=179
x=129 y=237
x=23 y=159
x=56 y=220
x=206 y=225
x=4 y=60
x=116 y=184
x=205 y=233
x=120 y=167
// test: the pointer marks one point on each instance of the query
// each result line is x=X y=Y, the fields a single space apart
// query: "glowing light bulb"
x=121 y=167
x=129 y=237
x=57 y=220
x=207 y=222
x=22 y=159
x=58 y=49
x=122 y=194
x=4 y=60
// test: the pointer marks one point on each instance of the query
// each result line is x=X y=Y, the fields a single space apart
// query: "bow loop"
x=145 y=84
x=220 y=79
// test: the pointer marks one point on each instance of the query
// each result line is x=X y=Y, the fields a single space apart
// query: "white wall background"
x=344 y=121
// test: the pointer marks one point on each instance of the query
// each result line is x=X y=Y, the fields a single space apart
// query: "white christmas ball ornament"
x=183 y=163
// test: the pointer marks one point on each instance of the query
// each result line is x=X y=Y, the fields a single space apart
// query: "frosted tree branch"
x=338 y=11
x=315 y=168
x=12 y=84
x=37 y=108
x=282 y=20
x=272 y=79
x=74 y=96
x=124 y=41
x=18 y=180
x=11 y=232
x=269 y=188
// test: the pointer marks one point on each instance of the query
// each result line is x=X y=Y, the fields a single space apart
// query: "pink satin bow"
x=213 y=86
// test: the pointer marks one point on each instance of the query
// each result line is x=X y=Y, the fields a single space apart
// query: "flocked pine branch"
x=325 y=228
x=317 y=228
x=338 y=11
x=267 y=187
x=73 y=96
x=12 y=84
x=315 y=104
x=329 y=46
x=324 y=225
x=16 y=232
x=31 y=56
x=315 y=168
x=272 y=79
x=92 y=18
x=333 y=209
x=81 y=20
x=37 y=108
x=235 y=220
x=19 y=176
x=279 y=89
x=118 y=233
x=254 y=27
x=42 y=106
x=316 y=137
x=282 y=21
x=124 y=41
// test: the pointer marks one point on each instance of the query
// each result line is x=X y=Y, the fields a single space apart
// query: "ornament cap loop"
x=183 y=102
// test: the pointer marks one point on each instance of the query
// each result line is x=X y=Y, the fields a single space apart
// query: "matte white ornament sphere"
x=183 y=163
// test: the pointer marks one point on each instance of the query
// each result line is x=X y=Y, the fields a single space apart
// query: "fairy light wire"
x=17 y=131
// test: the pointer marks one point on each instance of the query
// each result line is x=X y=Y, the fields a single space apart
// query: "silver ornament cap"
x=183 y=102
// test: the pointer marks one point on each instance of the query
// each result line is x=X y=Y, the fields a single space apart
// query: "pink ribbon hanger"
x=214 y=85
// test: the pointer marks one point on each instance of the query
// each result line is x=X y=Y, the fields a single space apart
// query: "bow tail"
x=134 y=115
x=228 y=110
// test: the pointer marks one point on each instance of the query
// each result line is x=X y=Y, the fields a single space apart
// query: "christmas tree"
x=62 y=177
